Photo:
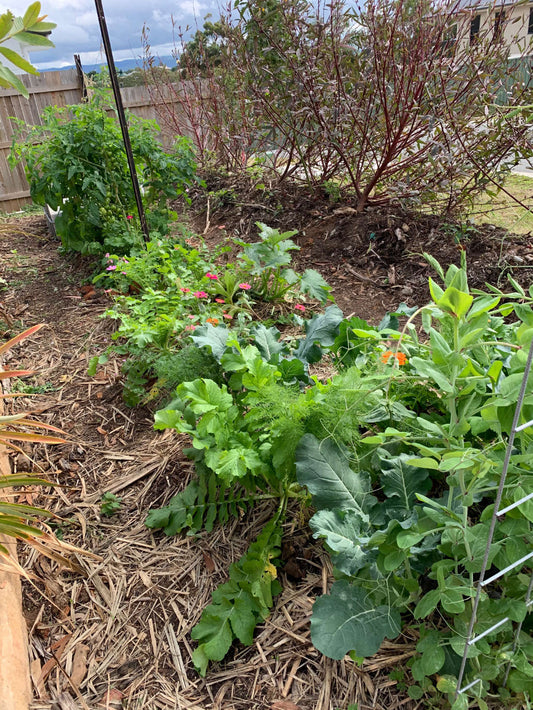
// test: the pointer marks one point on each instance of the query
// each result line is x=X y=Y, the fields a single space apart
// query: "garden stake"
x=121 y=117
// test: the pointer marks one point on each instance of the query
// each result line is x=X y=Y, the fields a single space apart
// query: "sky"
x=78 y=31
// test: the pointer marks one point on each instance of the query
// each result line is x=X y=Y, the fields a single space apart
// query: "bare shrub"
x=391 y=100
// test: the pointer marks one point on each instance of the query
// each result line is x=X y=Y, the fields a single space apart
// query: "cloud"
x=193 y=7
x=87 y=19
x=78 y=32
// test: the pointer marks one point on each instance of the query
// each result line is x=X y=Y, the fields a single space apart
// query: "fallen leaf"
x=284 y=705
x=36 y=676
x=208 y=562
x=111 y=699
x=79 y=664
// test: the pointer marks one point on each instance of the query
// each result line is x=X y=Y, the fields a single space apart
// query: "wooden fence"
x=55 y=88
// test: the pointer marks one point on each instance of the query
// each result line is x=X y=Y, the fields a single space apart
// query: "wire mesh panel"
x=472 y=638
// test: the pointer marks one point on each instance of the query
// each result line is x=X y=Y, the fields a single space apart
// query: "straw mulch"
x=114 y=632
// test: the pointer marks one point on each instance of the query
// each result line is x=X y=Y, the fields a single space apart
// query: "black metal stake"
x=121 y=117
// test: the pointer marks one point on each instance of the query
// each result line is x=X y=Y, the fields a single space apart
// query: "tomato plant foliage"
x=75 y=162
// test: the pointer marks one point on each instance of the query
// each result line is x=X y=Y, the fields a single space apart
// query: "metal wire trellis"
x=471 y=639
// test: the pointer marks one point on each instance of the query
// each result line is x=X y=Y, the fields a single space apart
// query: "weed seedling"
x=110 y=504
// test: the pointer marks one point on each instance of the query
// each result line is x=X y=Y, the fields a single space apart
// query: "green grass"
x=502 y=211
x=24 y=211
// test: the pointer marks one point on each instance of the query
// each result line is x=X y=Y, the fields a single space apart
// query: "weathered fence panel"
x=55 y=88
x=63 y=88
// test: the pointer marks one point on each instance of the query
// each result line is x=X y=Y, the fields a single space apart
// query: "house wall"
x=23 y=49
x=18 y=47
x=514 y=31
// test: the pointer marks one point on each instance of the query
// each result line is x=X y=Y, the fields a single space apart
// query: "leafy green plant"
x=405 y=511
x=266 y=261
x=241 y=603
x=110 y=504
x=30 y=29
x=75 y=163
x=170 y=291
x=401 y=454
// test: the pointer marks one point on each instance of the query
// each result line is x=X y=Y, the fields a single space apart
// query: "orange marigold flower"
x=214 y=321
x=401 y=358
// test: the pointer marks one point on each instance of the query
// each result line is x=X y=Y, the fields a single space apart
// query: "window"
x=499 y=21
x=449 y=40
x=474 y=27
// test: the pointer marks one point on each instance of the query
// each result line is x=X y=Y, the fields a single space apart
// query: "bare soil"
x=372 y=260
x=114 y=632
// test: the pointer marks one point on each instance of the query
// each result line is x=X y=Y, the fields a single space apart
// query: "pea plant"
x=400 y=453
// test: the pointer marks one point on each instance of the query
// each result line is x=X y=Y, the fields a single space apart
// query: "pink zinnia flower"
x=129 y=216
x=211 y=276
x=220 y=300
x=191 y=317
x=112 y=267
x=200 y=294
x=190 y=327
x=185 y=290
x=299 y=307
x=227 y=315
x=245 y=286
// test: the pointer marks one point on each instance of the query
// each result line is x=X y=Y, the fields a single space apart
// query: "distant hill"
x=124 y=64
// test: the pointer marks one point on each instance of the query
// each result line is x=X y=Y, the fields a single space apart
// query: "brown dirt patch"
x=373 y=260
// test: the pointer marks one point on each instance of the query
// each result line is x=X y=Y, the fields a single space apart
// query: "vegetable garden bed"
x=115 y=632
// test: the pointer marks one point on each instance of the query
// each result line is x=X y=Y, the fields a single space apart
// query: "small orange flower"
x=401 y=358
x=214 y=321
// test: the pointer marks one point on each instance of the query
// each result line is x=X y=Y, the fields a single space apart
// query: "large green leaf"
x=323 y=467
x=430 y=371
x=205 y=396
x=313 y=284
x=214 y=338
x=401 y=482
x=7 y=78
x=32 y=38
x=17 y=60
x=6 y=23
x=348 y=620
x=455 y=301
x=232 y=463
x=345 y=533
x=32 y=14
x=321 y=331
x=267 y=341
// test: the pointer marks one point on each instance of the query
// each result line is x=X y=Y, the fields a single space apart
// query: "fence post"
x=81 y=77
